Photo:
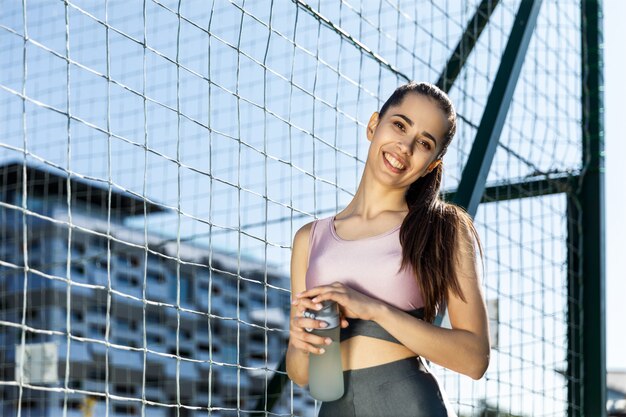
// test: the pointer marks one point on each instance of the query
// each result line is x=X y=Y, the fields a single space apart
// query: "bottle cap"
x=328 y=313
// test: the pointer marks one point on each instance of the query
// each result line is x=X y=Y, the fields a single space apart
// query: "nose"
x=406 y=146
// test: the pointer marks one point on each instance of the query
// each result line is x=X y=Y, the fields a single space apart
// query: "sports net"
x=157 y=158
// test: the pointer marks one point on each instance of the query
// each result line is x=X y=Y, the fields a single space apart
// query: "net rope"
x=158 y=157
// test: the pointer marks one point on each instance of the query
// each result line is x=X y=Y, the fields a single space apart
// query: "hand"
x=299 y=337
x=352 y=303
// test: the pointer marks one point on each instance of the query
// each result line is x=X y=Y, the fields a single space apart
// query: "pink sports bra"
x=369 y=265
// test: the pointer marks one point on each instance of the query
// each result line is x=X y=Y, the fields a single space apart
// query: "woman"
x=392 y=259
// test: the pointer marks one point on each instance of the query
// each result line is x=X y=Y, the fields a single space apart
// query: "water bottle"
x=326 y=370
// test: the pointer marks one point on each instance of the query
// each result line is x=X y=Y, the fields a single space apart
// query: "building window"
x=35 y=244
x=99 y=242
x=186 y=295
x=155 y=276
x=123 y=323
x=78 y=247
x=77 y=315
x=182 y=353
x=125 y=410
x=77 y=268
x=127 y=279
x=258 y=297
x=258 y=337
x=154 y=338
x=98 y=329
x=125 y=389
x=128 y=260
x=71 y=404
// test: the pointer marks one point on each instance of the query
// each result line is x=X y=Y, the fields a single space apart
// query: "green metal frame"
x=466 y=45
x=472 y=185
x=592 y=215
x=574 y=312
x=532 y=187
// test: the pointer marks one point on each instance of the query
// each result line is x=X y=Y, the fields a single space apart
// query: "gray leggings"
x=401 y=388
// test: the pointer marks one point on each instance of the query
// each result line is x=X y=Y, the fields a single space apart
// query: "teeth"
x=393 y=161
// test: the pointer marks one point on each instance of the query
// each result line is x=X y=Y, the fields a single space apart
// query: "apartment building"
x=111 y=317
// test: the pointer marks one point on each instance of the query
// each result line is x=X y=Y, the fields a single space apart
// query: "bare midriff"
x=364 y=351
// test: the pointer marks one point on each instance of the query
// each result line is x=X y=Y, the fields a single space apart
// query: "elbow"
x=301 y=384
x=297 y=379
x=480 y=367
x=480 y=362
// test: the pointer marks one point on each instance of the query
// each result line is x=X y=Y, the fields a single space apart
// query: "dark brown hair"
x=430 y=232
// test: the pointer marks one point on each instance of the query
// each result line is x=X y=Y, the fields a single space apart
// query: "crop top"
x=369 y=265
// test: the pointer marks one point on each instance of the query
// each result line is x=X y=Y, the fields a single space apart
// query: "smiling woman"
x=392 y=259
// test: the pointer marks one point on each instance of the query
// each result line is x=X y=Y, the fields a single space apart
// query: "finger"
x=309 y=342
x=307 y=304
x=312 y=292
x=328 y=295
x=306 y=292
x=307 y=323
x=316 y=341
x=307 y=347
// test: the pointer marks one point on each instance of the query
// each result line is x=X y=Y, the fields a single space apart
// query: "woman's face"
x=405 y=143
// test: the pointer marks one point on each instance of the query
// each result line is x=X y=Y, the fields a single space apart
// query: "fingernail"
x=294 y=302
x=323 y=324
x=322 y=350
x=315 y=300
x=328 y=341
x=318 y=306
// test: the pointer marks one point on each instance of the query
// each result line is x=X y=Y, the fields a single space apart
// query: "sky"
x=615 y=150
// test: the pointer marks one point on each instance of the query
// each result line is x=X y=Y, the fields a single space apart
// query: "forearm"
x=297 y=364
x=456 y=349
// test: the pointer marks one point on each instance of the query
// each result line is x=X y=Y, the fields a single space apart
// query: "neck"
x=372 y=198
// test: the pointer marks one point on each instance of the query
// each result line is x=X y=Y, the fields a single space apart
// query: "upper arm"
x=299 y=262
x=471 y=314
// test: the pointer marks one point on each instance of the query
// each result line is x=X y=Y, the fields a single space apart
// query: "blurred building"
x=616 y=393
x=118 y=323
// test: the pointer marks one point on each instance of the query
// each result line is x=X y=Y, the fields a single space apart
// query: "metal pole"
x=591 y=198
x=474 y=176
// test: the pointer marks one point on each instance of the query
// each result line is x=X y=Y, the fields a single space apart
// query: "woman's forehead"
x=423 y=111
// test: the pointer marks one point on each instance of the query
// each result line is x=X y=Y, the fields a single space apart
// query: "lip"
x=395 y=155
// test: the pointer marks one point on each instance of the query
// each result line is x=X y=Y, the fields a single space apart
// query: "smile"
x=393 y=162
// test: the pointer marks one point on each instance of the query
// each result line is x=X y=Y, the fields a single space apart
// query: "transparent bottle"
x=326 y=370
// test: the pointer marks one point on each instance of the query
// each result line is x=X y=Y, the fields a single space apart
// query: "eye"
x=424 y=143
x=399 y=124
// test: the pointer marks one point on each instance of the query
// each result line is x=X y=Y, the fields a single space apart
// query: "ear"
x=432 y=166
x=371 y=126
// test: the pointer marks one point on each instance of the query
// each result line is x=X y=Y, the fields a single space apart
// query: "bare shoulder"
x=302 y=235
x=301 y=238
x=299 y=257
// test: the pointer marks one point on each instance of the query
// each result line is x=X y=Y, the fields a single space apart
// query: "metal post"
x=591 y=198
x=465 y=46
x=474 y=176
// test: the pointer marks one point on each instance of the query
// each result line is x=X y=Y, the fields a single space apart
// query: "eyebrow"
x=410 y=122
